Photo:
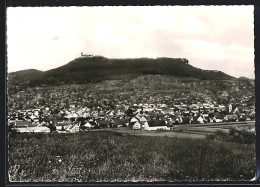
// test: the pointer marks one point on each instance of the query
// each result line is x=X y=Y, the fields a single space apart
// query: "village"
x=80 y=108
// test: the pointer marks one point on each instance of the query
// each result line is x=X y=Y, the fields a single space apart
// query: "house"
x=163 y=106
x=236 y=110
x=157 y=124
x=221 y=107
x=230 y=118
x=224 y=94
x=120 y=113
x=186 y=113
x=87 y=125
x=178 y=120
x=33 y=129
x=205 y=115
x=142 y=120
x=61 y=125
x=85 y=114
x=35 y=119
x=72 y=116
x=144 y=123
x=73 y=128
x=133 y=121
x=34 y=124
x=191 y=119
x=145 y=126
x=137 y=125
x=230 y=108
x=243 y=117
x=21 y=124
x=200 y=119
x=94 y=114
x=218 y=117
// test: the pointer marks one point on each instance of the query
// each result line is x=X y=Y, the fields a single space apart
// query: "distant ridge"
x=23 y=76
x=98 y=68
x=246 y=78
x=25 y=71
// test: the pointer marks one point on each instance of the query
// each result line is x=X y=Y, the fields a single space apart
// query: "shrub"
x=52 y=127
x=235 y=136
x=220 y=136
x=11 y=129
x=244 y=137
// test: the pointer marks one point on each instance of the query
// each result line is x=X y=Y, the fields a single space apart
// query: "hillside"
x=97 y=69
x=23 y=76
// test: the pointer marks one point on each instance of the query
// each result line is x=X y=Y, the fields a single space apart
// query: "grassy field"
x=113 y=156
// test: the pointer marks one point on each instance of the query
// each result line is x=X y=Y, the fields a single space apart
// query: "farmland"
x=115 y=156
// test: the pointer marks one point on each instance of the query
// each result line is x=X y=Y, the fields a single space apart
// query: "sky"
x=210 y=37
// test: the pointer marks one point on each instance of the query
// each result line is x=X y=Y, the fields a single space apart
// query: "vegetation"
x=19 y=77
x=97 y=69
x=110 y=156
x=235 y=135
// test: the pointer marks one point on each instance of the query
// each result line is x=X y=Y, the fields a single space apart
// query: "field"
x=115 y=156
x=194 y=131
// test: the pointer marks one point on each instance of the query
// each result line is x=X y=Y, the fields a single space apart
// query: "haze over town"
x=211 y=37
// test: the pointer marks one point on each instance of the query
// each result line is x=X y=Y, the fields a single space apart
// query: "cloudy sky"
x=211 y=37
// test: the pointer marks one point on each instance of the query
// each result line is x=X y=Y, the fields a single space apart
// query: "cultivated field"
x=114 y=156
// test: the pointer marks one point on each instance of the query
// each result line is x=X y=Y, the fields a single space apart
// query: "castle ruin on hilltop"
x=86 y=55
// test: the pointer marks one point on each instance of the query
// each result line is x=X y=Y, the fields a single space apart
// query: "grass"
x=109 y=156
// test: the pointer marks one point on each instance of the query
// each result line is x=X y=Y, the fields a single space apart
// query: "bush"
x=52 y=127
x=244 y=137
x=220 y=136
x=235 y=136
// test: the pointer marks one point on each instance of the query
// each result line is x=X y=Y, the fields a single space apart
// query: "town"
x=72 y=108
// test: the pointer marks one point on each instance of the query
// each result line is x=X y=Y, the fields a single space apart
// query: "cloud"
x=209 y=36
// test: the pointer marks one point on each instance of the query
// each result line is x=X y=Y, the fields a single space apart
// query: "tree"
x=129 y=112
x=185 y=61
x=52 y=127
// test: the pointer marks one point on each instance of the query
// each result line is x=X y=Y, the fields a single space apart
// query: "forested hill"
x=96 y=69
x=23 y=76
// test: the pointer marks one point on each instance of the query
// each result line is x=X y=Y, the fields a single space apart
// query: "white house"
x=33 y=129
x=200 y=119
x=73 y=128
x=137 y=125
x=156 y=125
x=143 y=119
x=87 y=125
x=133 y=120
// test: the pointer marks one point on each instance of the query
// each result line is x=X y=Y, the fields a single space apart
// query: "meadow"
x=111 y=156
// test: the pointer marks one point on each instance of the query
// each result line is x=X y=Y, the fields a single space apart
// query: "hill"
x=247 y=80
x=97 y=69
x=23 y=76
